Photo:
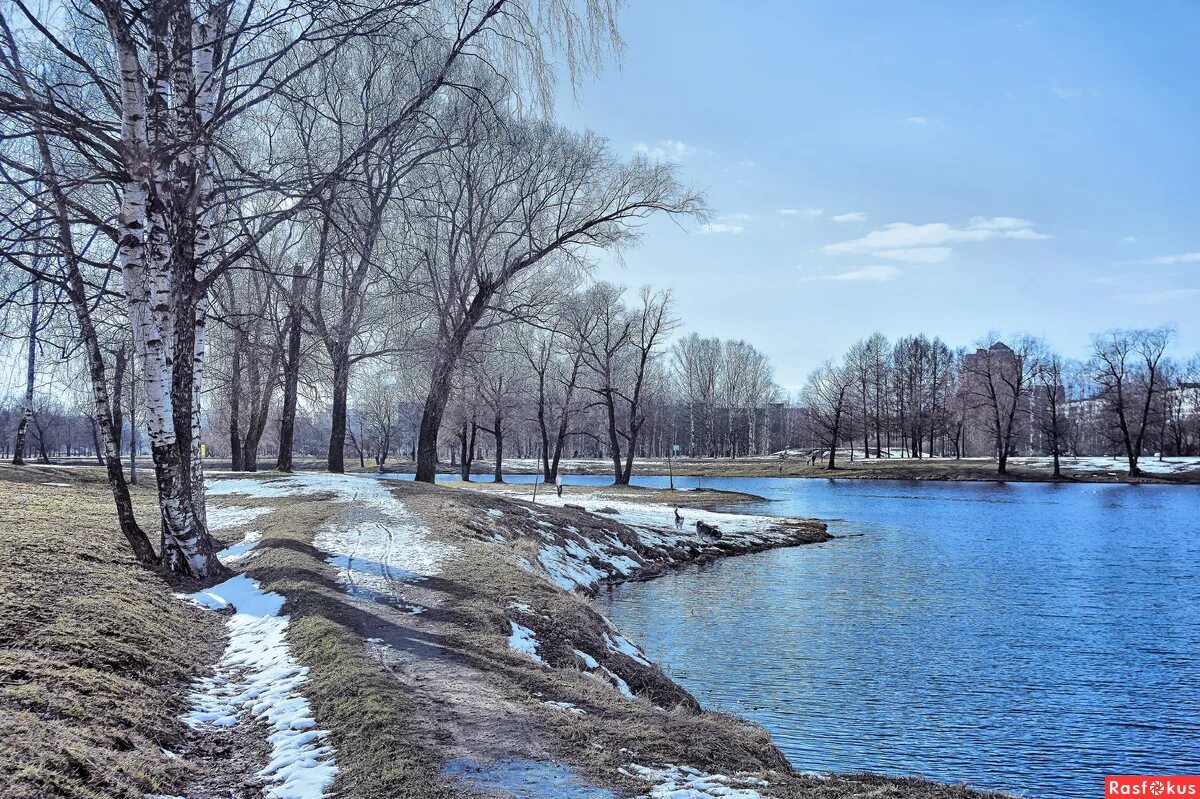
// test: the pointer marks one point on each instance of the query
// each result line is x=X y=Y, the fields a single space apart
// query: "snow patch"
x=233 y=516
x=620 y=644
x=241 y=550
x=684 y=782
x=258 y=675
x=524 y=640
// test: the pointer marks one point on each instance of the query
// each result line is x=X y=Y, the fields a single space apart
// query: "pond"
x=1027 y=637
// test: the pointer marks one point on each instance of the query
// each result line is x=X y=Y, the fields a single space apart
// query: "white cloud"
x=1065 y=92
x=852 y=216
x=1129 y=239
x=917 y=120
x=666 y=150
x=918 y=255
x=926 y=243
x=747 y=163
x=721 y=227
x=737 y=217
x=1106 y=280
x=1178 y=258
x=873 y=274
x=811 y=213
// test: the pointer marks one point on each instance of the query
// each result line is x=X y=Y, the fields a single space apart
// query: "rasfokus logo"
x=1142 y=785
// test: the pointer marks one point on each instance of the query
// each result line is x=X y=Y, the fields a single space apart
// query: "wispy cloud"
x=747 y=163
x=877 y=273
x=903 y=241
x=811 y=213
x=736 y=217
x=1129 y=239
x=1178 y=258
x=874 y=274
x=1157 y=297
x=917 y=120
x=1065 y=92
x=852 y=216
x=666 y=150
x=721 y=227
x=918 y=255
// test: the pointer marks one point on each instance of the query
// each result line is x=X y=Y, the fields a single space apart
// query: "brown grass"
x=95 y=652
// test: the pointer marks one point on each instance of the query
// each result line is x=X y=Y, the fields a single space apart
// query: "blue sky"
x=947 y=168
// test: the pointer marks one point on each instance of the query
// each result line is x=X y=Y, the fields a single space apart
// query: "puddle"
x=522 y=778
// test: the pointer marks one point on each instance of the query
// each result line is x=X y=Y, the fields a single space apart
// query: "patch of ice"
x=258 y=675
x=495 y=513
x=567 y=706
x=684 y=782
x=521 y=607
x=58 y=485
x=523 y=640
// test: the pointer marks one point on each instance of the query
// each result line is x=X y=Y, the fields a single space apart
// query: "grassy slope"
x=95 y=652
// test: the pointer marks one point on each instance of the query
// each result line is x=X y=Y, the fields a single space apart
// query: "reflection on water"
x=1021 y=636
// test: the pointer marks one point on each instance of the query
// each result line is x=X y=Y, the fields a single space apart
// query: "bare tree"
x=1051 y=391
x=826 y=395
x=516 y=197
x=999 y=378
x=1126 y=364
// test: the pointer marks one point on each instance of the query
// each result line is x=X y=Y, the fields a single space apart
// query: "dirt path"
x=453 y=651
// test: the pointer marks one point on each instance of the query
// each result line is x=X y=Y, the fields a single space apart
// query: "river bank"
x=438 y=642
x=1094 y=469
x=1025 y=470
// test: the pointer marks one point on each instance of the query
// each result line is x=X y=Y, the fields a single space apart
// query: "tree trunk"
x=30 y=377
x=337 y=426
x=464 y=454
x=235 y=405
x=291 y=376
x=498 y=434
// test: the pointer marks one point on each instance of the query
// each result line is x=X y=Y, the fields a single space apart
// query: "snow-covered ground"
x=1098 y=463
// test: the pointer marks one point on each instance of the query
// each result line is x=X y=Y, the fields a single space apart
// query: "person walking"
x=558 y=484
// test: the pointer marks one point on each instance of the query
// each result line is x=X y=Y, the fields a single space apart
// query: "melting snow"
x=683 y=782
x=1147 y=463
x=621 y=644
x=523 y=640
x=258 y=675
x=371 y=555
x=233 y=516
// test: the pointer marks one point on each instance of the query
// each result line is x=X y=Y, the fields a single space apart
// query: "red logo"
x=1153 y=787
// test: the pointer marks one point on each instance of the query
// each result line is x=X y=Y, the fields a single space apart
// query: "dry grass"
x=95 y=653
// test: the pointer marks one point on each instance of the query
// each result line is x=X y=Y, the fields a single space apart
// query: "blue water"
x=522 y=778
x=1026 y=637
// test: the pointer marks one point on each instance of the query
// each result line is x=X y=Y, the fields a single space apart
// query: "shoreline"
x=448 y=639
x=984 y=470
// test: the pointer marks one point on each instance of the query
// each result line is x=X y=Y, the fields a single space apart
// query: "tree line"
x=356 y=180
x=916 y=397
